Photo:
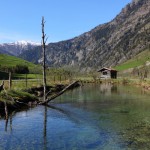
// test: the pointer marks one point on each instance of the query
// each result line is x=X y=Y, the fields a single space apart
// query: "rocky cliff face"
x=106 y=45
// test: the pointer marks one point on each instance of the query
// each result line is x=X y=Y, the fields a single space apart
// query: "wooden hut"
x=108 y=73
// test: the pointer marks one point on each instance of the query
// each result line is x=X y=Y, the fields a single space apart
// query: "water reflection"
x=67 y=113
x=45 y=128
x=9 y=121
x=90 y=117
x=6 y=124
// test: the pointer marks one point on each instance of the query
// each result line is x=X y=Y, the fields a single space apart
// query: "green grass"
x=84 y=78
x=16 y=95
x=22 y=96
x=10 y=61
x=29 y=76
x=136 y=61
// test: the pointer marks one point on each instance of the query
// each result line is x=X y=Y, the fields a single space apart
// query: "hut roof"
x=104 y=68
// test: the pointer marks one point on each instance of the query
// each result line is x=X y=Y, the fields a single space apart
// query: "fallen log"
x=75 y=83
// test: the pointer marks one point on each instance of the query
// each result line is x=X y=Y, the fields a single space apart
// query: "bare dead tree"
x=44 y=39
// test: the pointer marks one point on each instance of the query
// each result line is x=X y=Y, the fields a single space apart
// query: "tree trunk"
x=44 y=47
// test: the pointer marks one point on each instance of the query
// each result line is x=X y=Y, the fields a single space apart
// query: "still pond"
x=94 y=116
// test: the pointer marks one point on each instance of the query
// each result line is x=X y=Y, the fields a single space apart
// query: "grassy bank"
x=11 y=100
x=24 y=94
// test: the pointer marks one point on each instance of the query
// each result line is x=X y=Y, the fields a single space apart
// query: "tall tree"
x=44 y=39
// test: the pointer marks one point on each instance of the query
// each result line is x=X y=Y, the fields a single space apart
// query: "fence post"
x=10 y=80
x=26 y=80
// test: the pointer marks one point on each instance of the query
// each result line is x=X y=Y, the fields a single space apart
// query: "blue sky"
x=65 y=19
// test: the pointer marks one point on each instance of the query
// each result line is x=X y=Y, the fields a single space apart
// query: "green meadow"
x=10 y=61
x=136 y=61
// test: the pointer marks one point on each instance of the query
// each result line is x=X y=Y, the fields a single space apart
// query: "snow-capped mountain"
x=18 y=47
x=27 y=43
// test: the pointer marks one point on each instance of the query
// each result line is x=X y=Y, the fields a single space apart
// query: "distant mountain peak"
x=23 y=42
x=18 y=47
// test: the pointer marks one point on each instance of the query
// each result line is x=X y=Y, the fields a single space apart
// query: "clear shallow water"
x=89 y=117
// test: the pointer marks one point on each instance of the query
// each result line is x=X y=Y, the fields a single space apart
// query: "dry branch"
x=59 y=93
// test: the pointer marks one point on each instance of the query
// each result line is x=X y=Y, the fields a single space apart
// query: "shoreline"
x=125 y=81
x=17 y=100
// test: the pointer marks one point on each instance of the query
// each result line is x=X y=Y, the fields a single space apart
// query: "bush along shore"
x=12 y=100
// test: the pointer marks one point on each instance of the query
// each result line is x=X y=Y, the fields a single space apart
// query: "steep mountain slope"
x=106 y=45
x=17 y=48
x=4 y=52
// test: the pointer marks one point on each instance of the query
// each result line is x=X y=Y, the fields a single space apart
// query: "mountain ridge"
x=16 y=48
x=107 y=44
